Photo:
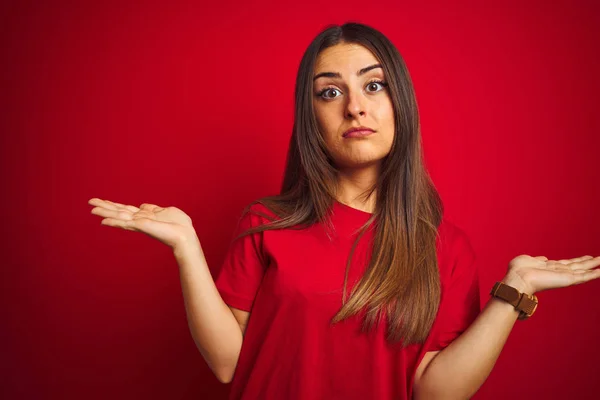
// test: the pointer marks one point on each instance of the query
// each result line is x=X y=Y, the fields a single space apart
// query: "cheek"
x=386 y=112
x=384 y=115
x=327 y=123
x=318 y=113
x=386 y=118
x=322 y=120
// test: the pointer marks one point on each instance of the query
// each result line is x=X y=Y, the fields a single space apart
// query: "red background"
x=191 y=105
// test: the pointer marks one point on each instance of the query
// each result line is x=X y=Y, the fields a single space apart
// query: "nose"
x=355 y=105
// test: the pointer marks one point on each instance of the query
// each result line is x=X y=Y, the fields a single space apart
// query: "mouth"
x=361 y=132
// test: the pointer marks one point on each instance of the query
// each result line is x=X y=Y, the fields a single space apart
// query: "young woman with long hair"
x=350 y=283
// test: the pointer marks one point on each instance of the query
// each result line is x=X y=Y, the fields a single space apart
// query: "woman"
x=349 y=284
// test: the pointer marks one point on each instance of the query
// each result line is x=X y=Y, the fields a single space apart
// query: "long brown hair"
x=402 y=277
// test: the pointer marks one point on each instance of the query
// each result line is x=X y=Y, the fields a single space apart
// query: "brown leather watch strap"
x=523 y=302
x=527 y=305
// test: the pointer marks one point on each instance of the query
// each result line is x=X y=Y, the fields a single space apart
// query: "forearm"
x=213 y=326
x=459 y=370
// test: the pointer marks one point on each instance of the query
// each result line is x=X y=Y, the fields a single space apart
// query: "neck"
x=353 y=186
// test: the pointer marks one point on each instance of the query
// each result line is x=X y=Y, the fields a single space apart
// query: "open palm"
x=169 y=225
x=539 y=273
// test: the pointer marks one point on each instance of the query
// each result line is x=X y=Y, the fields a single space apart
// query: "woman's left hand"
x=534 y=274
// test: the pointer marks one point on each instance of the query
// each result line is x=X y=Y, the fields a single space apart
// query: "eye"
x=375 y=83
x=322 y=92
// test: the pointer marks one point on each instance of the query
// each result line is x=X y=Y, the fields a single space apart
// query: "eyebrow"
x=338 y=75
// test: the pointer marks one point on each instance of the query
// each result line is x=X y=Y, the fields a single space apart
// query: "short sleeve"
x=243 y=268
x=460 y=303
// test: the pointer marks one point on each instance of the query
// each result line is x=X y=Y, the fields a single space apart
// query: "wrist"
x=187 y=246
x=518 y=283
x=518 y=294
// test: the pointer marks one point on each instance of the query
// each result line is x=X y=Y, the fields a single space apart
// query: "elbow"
x=224 y=379
x=442 y=385
x=223 y=368
x=224 y=375
x=421 y=393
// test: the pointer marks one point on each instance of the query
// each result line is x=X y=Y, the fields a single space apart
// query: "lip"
x=359 y=131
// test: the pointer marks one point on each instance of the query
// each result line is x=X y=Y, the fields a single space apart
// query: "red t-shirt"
x=291 y=281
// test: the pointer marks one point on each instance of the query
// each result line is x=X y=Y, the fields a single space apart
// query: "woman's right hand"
x=169 y=225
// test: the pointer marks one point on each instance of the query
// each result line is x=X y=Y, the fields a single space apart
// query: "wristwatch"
x=523 y=302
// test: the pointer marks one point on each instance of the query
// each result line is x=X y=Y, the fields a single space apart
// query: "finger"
x=543 y=258
x=129 y=225
x=125 y=206
x=111 y=205
x=133 y=209
x=101 y=203
x=566 y=263
x=582 y=276
x=573 y=264
x=577 y=259
x=586 y=264
x=150 y=207
x=117 y=214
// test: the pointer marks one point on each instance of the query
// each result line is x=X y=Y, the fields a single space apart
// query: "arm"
x=213 y=325
x=460 y=369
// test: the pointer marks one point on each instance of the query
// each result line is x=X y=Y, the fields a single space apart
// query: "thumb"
x=149 y=207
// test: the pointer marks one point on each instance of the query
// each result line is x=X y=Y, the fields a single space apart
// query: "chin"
x=360 y=163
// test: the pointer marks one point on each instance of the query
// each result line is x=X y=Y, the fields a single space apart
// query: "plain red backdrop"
x=191 y=105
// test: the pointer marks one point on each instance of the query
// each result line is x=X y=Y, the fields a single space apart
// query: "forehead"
x=346 y=58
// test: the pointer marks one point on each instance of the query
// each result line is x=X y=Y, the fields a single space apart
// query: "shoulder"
x=255 y=214
x=259 y=208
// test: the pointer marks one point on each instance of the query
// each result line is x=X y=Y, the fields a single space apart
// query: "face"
x=349 y=95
